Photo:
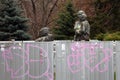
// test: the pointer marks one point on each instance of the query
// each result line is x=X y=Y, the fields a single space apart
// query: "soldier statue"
x=45 y=35
x=82 y=27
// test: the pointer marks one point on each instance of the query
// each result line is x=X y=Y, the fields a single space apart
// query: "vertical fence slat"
x=117 y=61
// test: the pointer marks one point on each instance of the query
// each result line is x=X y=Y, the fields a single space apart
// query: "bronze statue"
x=45 y=35
x=82 y=27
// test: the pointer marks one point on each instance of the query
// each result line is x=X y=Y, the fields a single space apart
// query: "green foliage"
x=100 y=36
x=21 y=35
x=109 y=36
x=98 y=24
x=112 y=36
x=106 y=20
x=12 y=23
x=65 y=23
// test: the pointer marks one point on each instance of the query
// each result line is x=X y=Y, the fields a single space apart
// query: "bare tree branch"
x=51 y=10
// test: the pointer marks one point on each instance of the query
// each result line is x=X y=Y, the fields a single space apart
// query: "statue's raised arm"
x=82 y=27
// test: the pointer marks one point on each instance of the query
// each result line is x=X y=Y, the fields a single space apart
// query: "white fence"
x=59 y=60
x=26 y=61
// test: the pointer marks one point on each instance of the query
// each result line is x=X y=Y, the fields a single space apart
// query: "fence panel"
x=84 y=61
x=26 y=61
x=73 y=60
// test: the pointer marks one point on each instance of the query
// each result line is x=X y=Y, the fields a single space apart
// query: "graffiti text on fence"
x=13 y=53
x=86 y=55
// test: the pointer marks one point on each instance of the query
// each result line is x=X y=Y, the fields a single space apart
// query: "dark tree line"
x=105 y=24
x=58 y=14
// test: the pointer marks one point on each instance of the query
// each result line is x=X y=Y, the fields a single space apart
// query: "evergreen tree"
x=106 y=19
x=65 y=23
x=115 y=13
x=12 y=23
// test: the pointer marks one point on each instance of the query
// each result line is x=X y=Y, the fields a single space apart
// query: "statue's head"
x=81 y=14
x=44 y=31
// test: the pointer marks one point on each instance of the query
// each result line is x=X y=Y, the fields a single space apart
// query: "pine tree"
x=65 y=23
x=106 y=19
x=12 y=23
x=115 y=12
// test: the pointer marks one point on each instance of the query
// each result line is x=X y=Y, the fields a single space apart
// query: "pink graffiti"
x=9 y=56
x=78 y=59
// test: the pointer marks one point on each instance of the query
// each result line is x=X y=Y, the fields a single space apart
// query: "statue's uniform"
x=82 y=30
